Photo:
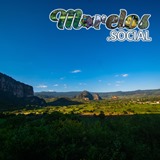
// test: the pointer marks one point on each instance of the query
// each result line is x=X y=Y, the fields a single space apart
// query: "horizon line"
x=98 y=91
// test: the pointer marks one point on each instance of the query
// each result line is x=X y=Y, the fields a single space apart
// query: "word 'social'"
x=75 y=19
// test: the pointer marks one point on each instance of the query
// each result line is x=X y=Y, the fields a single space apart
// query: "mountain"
x=96 y=97
x=137 y=93
x=14 y=88
x=85 y=95
x=63 y=102
x=14 y=94
x=45 y=94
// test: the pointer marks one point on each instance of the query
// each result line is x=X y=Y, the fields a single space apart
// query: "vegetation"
x=124 y=129
x=72 y=137
x=109 y=107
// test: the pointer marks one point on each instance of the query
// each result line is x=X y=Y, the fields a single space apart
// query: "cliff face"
x=14 y=94
x=97 y=97
x=13 y=87
x=85 y=95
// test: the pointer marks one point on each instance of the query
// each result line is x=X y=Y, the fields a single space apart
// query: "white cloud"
x=65 y=86
x=76 y=71
x=119 y=82
x=124 y=75
x=41 y=86
x=82 y=84
x=62 y=78
x=55 y=85
x=50 y=90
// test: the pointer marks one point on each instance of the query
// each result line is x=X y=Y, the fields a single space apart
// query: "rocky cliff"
x=14 y=94
x=13 y=87
x=87 y=96
x=97 y=97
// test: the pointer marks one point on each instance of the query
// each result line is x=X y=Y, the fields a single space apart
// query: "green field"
x=108 y=107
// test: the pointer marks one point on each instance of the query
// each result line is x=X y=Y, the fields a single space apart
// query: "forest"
x=96 y=130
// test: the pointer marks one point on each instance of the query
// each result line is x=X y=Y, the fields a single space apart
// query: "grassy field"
x=108 y=107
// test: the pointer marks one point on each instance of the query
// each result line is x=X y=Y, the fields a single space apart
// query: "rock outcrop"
x=114 y=98
x=13 y=87
x=87 y=96
x=14 y=94
x=97 y=97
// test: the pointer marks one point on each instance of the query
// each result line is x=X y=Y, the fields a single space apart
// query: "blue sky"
x=35 y=52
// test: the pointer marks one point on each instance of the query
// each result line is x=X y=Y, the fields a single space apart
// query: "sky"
x=35 y=52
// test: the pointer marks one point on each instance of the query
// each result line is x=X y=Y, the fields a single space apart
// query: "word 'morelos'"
x=75 y=19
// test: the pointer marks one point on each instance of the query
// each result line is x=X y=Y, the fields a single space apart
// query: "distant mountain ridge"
x=149 y=92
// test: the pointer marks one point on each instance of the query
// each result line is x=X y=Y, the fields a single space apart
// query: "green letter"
x=67 y=19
